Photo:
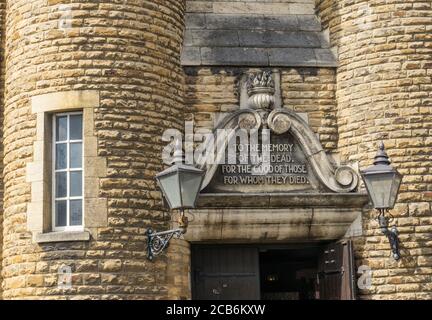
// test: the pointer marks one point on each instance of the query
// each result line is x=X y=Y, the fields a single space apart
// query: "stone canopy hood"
x=342 y=179
x=260 y=109
x=330 y=185
x=322 y=205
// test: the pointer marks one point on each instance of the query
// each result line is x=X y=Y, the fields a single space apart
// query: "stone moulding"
x=38 y=172
x=64 y=236
x=341 y=179
x=283 y=200
x=280 y=224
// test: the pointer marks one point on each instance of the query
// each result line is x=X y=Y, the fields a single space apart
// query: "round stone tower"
x=383 y=93
x=118 y=62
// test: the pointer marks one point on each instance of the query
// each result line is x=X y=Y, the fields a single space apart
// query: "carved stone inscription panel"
x=288 y=169
x=296 y=160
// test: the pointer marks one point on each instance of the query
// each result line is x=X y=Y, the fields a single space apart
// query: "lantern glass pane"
x=395 y=189
x=379 y=187
x=170 y=188
x=190 y=187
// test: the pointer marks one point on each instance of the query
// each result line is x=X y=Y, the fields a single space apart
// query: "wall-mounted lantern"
x=382 y=182
x=180 y=185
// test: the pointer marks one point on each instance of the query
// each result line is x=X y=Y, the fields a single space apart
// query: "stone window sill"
x=64 y=236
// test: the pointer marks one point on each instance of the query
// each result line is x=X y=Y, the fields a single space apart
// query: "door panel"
x=225 y=273
x=336 y=277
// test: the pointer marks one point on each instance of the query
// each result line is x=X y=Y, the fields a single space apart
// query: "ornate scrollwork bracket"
x=392 y=234
x=158 y=241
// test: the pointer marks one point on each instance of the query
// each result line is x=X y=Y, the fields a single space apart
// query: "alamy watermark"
x=364 y=16
x=225 y=146
x=64 y=277
x=364 y=282
x=65 y=20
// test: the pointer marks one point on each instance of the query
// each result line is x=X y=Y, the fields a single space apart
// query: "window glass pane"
x=61 y=128
x=60 y=213
x=61 y=185
x=76 y=212
x=76 y=127
x=76 y=183
x=61 y=156
x=76 y=155
x=68 y=183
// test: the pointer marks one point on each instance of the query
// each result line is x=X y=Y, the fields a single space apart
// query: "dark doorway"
x=290 y=272
x=225 y=273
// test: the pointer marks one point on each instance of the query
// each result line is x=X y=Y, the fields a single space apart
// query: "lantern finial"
x=178 y=152
x=381 y=156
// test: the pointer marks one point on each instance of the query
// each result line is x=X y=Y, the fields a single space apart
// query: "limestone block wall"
x=211 y=92
x=129 y=51
x=179 y=270
x=384 y=92
x=2 y=20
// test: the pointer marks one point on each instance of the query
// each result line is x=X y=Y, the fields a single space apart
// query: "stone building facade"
x=356 y=71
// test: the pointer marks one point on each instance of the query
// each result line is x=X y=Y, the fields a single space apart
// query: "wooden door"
x=336 y=276
x=225 y=273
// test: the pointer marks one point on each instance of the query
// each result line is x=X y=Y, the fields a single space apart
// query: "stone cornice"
x=282 y=200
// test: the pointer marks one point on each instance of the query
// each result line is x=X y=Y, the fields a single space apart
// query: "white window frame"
x=67 y=170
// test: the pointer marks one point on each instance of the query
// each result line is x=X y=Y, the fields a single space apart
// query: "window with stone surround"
x=64 y=158
x=67 y=170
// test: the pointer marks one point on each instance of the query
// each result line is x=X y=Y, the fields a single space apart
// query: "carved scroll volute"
x=248 y=121
x=346 y=176
x=340 y=179
x=279 y=123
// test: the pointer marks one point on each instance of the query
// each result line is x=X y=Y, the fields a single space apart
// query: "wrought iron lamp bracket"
x=392 y=234
x=158 y=241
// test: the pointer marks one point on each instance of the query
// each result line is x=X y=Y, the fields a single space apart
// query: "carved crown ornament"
x=261 y=90
x=261 y=108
